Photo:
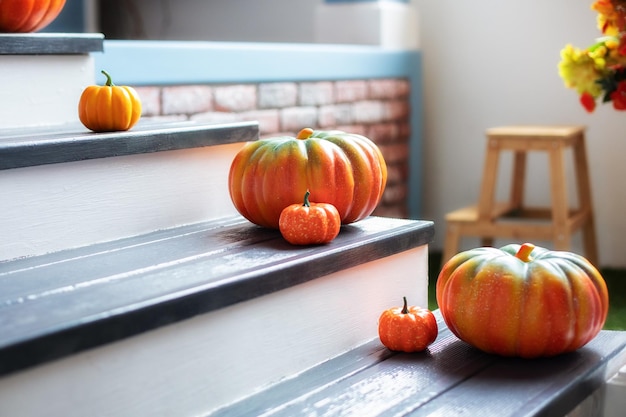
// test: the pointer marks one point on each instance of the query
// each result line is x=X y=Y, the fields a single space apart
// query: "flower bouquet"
x=599 y=71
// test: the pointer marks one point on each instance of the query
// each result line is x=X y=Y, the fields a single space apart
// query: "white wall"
x=490 y=63
x=216 y=20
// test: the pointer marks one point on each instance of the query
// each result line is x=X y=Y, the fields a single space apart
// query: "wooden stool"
x=511 y=219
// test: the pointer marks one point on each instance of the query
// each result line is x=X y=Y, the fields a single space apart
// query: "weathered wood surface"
x=450 y=378
x=61 y=303
x=55 y=144
x=50 y=43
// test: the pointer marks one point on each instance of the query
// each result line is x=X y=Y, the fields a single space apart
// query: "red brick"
x=235 y=98
x=277 y=95
x=397 y=173
x=383 y=132
x=350 y=91
x=150 y=100
x=168 y=118
x=395 y=153
x=395 y=194
x=296 y=118
x=316 y=93
x=368 y=111
x=216 y=117
x=388 y=88
x=269 y=120
x=186 y=99
x=333 y=115
x=273 y=135
x=396 y=110
x=354 y=129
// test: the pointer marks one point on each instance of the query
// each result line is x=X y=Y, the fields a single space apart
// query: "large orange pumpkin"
x=21 y=16
x=342 y=169
x=523 y=300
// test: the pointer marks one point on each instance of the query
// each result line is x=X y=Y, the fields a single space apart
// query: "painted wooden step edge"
x=26 y=147
x=50 y=43
x=62 y=303
x=449 y=377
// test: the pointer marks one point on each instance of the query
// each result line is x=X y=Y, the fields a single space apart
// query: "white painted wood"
x=193 y=367
x=615 y=394
x=53 y=207
x=41 y=90
x=379 y=23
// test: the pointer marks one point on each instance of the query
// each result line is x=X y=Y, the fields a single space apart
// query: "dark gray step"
x=50 y=43
x=62 y=303
x=450 y=378
x=35 y=146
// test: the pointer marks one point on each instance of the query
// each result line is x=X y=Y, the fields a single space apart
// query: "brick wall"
x=378 y=109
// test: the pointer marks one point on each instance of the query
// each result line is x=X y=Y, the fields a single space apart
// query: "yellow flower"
x=580 y=71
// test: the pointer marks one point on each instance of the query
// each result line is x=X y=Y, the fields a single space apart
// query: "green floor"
x=615 y=280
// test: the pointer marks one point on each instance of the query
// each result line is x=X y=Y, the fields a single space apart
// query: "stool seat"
x=512 y=219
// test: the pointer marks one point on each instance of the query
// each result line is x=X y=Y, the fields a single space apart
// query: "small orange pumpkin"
x=22 y=16
x=407 y=329
x=309 y=223
x=109 y=108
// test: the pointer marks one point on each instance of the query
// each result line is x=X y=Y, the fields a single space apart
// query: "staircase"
x=131 y=286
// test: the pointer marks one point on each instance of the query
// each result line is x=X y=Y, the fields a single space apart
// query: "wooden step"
x=449 y=379
x=186 y=320
x=67 y=187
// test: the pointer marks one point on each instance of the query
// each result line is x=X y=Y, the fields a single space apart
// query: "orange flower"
x=608 y=19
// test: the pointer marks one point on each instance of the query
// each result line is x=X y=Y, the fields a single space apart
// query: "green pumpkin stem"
x=109 y=82
x=306 y=203
x=524 y=251
x=405 y=308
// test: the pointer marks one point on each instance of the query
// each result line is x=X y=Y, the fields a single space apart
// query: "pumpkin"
x=342 y=169
x=522 y=300
x=309 y=223
x=407 y=329
x=109 y=108
x=21 y=16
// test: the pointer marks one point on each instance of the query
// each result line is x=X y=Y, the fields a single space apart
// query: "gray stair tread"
x=60 y=303
x=50 y=43
x=450 y=378
x=73 y=142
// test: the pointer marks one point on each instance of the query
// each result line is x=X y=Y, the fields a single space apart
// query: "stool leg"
x=452 y=240
x=488 y=185
x=585 y=203
x=558 y=189
x=518 y=179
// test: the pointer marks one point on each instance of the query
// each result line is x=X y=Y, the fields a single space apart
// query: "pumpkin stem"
x=305 y=133
x=306 y=203
x=405 y=308
x=109 y=82
x=524 y=251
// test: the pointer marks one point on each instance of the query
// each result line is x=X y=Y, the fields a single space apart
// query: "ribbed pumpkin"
x=522 y=300
x=339 y=168
x=21 y=16
x=109 y=108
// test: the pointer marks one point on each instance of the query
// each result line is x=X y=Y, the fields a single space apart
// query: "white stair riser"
x=53 y=207
x=200 y=364
x=42 y=90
